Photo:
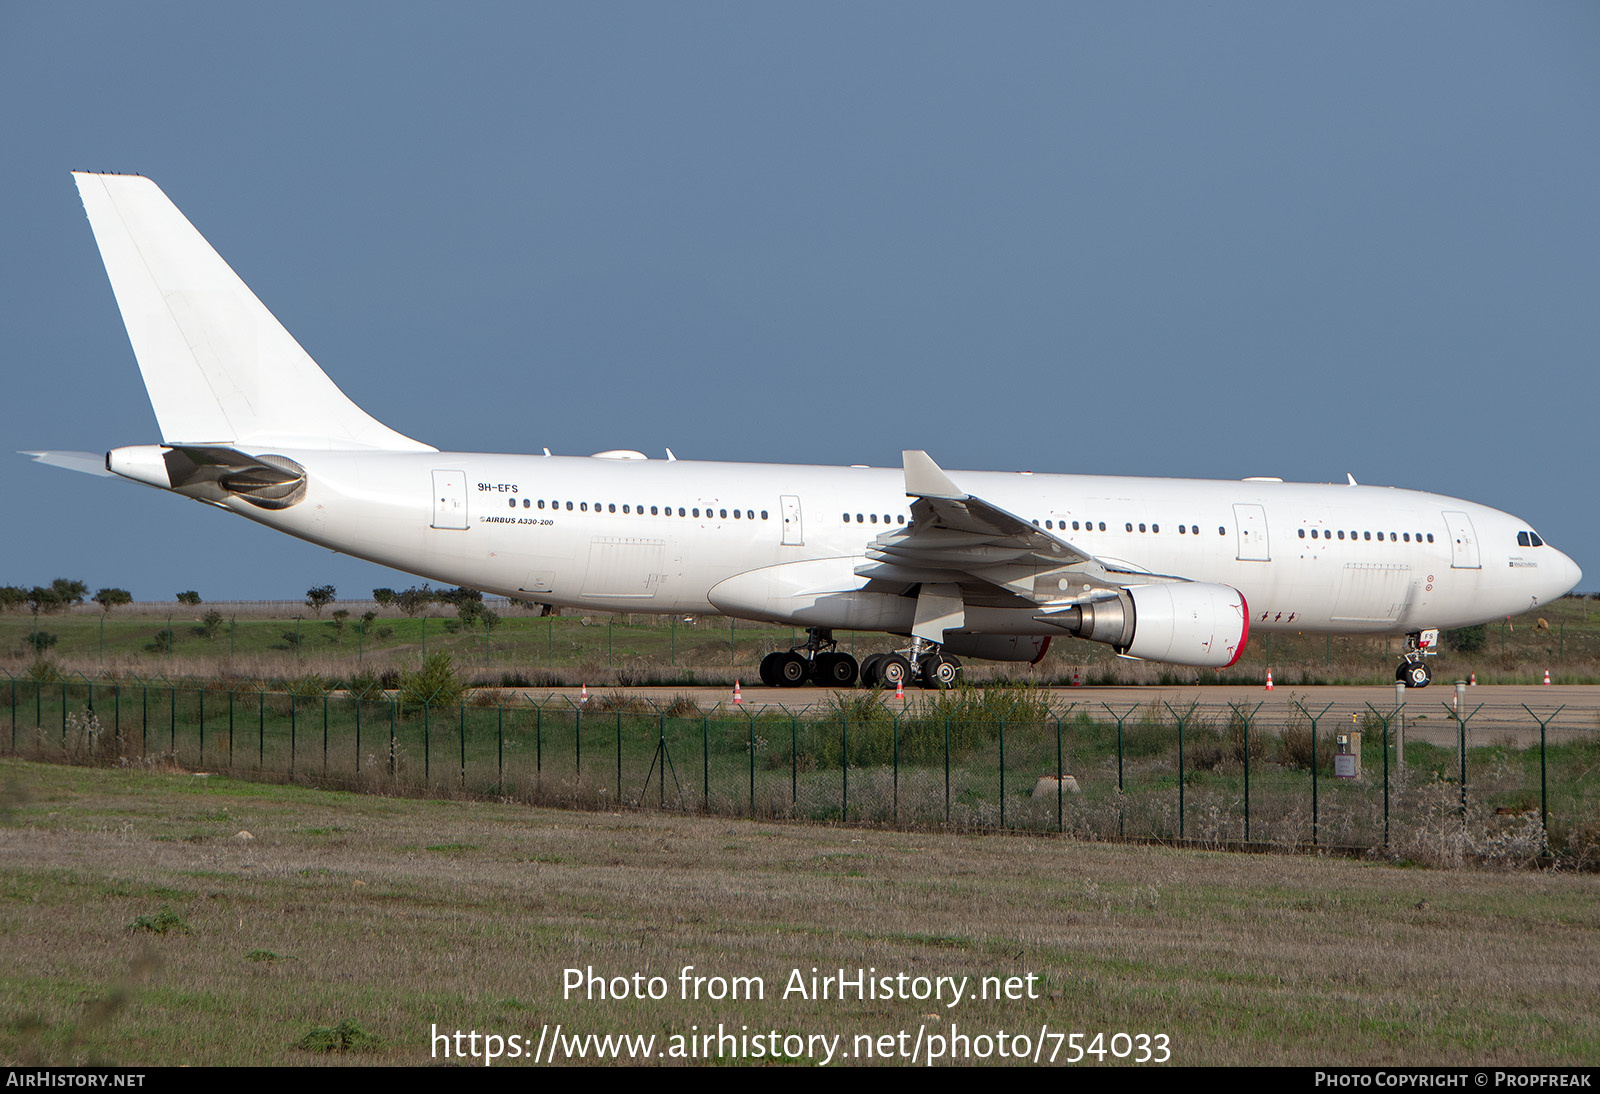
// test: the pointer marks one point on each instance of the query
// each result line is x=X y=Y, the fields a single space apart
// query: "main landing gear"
x=1413 y=672
x=922 y=661
x=818 y=659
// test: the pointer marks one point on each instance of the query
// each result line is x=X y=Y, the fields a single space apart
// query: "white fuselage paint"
x=384 y=507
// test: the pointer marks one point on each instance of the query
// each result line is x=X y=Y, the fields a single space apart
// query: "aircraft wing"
x=993 y=556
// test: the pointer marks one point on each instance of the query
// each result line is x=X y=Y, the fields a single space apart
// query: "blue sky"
x=1160 y=239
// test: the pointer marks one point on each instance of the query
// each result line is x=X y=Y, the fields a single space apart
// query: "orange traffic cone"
x=1269 y=679
x=1547 y=676
x=1472 y=681
x=583 y=696
x=738 y=696
x=900 y=689
x=1077 y=679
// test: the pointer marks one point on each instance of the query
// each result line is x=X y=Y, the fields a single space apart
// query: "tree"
x=42 y=599
x=68 y=592
x=384 y=597
x=415 y=601
x=319 y=597
x=112 y=598
x=12 y=596
x=190 y=597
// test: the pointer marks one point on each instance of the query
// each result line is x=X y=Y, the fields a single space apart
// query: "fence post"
x=427 y=751
x=293 y=715
x=324 y=735
x=619 y=759
x=261 y=728
x=947 y=769
x=1002 y=774
x=1462 y=719
x=1315 y=815
x=391 y=737
x=751 y=747
x=1386 y=719
x=500 y=747
x=1247 y=719
x=358 y=735
x=1544 y=800
x=1182 y=774
x=1121 y=790
x=705 y=763
x=461 y=779
x=794 y=762
x=895 y=815
x=844 y=768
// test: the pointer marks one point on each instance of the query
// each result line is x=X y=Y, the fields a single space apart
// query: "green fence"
x=1508 y=784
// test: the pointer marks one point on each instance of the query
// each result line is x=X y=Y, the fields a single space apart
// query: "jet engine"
x=1181 y=622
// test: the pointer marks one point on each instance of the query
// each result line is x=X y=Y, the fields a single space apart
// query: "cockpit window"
x=1529 y=539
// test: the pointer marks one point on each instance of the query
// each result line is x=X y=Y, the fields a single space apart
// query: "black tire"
x=834 y=670
x=894 y=671
x=792 y=670
x=940 y=673
x=869 y=669
x=1418 y=675
x=769 y=669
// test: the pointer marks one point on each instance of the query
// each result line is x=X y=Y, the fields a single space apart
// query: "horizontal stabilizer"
x=219 y=368
x=90 y=463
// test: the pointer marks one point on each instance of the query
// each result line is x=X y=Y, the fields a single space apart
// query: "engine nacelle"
x=1180 y=622
x=1189 y=623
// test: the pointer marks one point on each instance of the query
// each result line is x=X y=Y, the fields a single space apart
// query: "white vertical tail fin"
x=219 y=368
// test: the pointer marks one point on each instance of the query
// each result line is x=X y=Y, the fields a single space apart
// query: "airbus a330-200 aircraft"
x=961 y=564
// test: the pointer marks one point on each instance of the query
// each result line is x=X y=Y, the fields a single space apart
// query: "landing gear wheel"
x=869 y=669
x=792 y=670
x=894 y=671
x=939 y=673
x=1414 y=674
x=769 y=669
x=834 y=670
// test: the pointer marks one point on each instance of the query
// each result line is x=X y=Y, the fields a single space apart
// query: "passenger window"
x=724 y=513
x=1102 y=526
x=1341 y=533
x=1183 y=529
x=1128 y=526
x=513 y=502
x=736 y=514
x=1430 y=537
x=583 y=505
x=763 y=514
x=1366 y=535
x=874 y=518
x=1302 y=533
x=1155 y=529
x=1141 y=526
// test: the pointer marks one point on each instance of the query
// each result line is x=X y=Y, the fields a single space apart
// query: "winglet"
x=926 y=479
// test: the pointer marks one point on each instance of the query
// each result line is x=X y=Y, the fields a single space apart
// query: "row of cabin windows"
x=1400 y=537
x=1090 y=526
x=872 y=518
x=655 y=511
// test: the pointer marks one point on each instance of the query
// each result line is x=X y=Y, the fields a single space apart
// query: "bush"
x=435 y=683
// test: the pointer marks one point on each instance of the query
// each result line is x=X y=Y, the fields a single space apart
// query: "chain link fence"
x=1498 y=784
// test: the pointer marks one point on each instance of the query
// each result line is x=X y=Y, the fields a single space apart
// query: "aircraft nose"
x=1568 y=574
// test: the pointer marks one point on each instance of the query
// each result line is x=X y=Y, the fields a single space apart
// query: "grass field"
x=142 y=929
x=602 y=649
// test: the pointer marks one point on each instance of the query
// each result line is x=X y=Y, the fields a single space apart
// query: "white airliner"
x=963 y=563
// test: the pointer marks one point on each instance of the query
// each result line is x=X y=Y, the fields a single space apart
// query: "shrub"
x=347 y=1036
x=436 y=682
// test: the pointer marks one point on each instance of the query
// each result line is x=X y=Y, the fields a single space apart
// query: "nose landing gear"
x=1413 y=671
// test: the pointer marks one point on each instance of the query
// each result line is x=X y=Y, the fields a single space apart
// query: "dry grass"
x=391 y=915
